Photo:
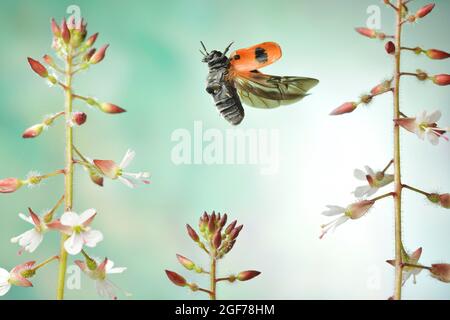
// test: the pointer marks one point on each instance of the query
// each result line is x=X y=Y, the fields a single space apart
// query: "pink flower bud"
x=110 y=108
x=176 y=278
x=344 y=108
x=9 y=185
x=230 y=227
x=390 y=47
x=217 y=239
x=108 y=167
x=33 y=131
x=65 y=33
x=91 y=40
x=48 y=60
x=55 y=29
x=192 y=233
x=96 y=178
x=422 y=12
x=407 y=123
x=188 y=264
x=235 y=232
x=437 y=54
x=99 y=55
x=79 y=118
x=223 y=221
x=38 y=67
x=441 y=79
x=381 y=88
x=370 y=33
x=444 y=200
x=247 y=275
x=441 y=271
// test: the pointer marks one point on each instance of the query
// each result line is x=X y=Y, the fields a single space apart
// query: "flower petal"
x=359 y=174
x=74 y=244
x=127 y=182
x=369 y=171
x=70 y=219
x=4 y=276
x=129 y=156
x=87 y=216
x=26 y=218
x=4 y=288
x=333 y=210
x=361 y=191
x=433 y=117
x=92 y=237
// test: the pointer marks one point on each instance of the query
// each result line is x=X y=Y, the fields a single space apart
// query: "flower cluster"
x=75 y=50
x=424 y=125
x=216 y=240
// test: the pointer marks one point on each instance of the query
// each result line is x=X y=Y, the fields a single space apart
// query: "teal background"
x=153 y=70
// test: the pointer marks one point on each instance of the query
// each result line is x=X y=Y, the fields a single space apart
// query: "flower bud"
x=440 y=199
x=110 y=108
x=344 y=108
x=192 y=233
x=38 y=67
x=9 y=185
x=223 y=220
x=65 y=33
x=441 y=79
x=247 y=275
x=382 y=87
x=390 y=47
x=407 y=123
x=437 y=54
x=95 y=177
x=229 y=247
x=55 y=29
x=441 y=271
x=91 y=40
x=212 y=223
x=79 y=118
x=176 y=278
x=188 y=264
x=370 y=33
x=359 y=209
x=33 y=131
x=366 y=99
x=48 y=60
x=422 y=12
x=230 y=227
x=217 y=239
x=235 y=232
x=99 y=55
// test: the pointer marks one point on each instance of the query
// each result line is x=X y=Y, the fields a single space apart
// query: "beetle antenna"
x=227 y=48
x=204 y=48
x=202 y=52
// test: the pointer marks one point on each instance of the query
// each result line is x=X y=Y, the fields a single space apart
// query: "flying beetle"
x=236 y=78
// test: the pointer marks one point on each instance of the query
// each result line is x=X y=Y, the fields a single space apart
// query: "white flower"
x=113 y=171
x=409 y=271
x=374 y=181
x=31 y=239
x=5 y=285
x=353 y=211
x=80 y=232
x=425 y=125
x=98 y=273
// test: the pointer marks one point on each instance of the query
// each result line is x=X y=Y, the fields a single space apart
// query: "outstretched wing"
x=265 y=91
x=255 y=57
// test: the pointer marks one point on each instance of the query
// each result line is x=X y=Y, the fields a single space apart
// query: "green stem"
x=416 y=266
x=212 y=276
x=397 y=168
x=45 y=262
x=390 y=194
x=68 y=195
x=388 y=165
x=426 y=194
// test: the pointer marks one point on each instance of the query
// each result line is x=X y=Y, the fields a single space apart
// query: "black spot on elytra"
x=261 y=55
x=236 y=57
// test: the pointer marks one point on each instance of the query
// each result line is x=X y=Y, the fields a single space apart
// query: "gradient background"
x=153 y=70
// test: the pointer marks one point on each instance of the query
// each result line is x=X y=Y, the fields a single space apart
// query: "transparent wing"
x=265 y=91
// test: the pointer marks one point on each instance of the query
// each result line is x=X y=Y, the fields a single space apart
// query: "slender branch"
x=416 y=266
x=222 y=279
x=390 y=194
x=391 y=5
x=45 y=262
x=403 y=115
x=80 y=154
x=408 y=74
x=388 y=165
x=204 y=290
x=416 y=190
x=397 y=167
x=49 y=215
x=68 y=195
x=212 y=275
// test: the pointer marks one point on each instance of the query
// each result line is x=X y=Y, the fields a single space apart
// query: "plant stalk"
x=397 y=168
x=212 y=275
x=68 y=183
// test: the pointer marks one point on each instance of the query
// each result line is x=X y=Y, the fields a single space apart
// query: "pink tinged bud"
x=81 y=265
x=192 y=233
x=79 y=118
x=444 y=200
x=381 y=88
x=38 y=68
x=96 y=178
x=176 y=278
x=422 y=12
x=442 y=79
x=108 y=167
x=212 y=224
x=55 y=29
x=223 y=221
x=48 y=60
x=390 y=47
x=235 y=232
x=359 y=209
x=437 y=54
x=188 y=264
x=34 y=217
x=441 y=271
x=99 y=55
x=110 y=108
x=345 y=108
x=217 y=239
x=65 y=33
x=407 y=123
x=9 y=185
x=370 y=33
x=247 y=275
x=33 y=131
x=230 y=227
x=89 y=54
x=91 y=40
x=102 y=266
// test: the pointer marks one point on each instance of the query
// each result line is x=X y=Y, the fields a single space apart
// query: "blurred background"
x=153 y=69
